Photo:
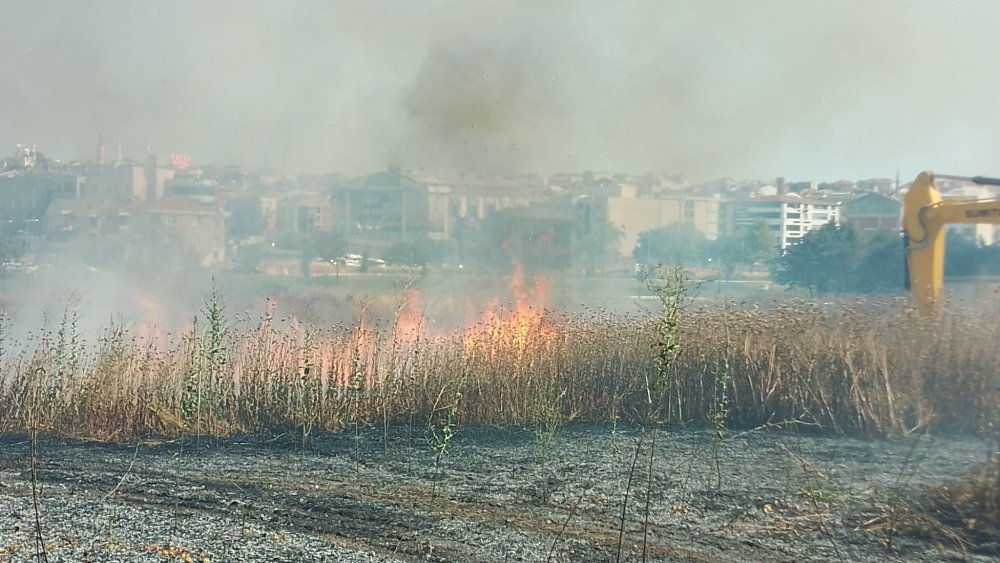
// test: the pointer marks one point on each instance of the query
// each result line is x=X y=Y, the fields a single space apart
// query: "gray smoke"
x=804 y=89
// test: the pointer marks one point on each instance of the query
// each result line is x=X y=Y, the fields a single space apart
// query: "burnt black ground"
x=499 y=495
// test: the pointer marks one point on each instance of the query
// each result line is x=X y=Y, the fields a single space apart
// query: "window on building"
x=306 y=219
x=689 y=212
x=794 y=214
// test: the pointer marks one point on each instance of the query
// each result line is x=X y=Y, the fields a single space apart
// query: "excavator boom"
x=925 y=216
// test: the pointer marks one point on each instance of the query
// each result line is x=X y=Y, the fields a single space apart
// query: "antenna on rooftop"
x=100 y=150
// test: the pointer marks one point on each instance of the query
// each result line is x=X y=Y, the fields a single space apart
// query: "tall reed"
x=850 y=370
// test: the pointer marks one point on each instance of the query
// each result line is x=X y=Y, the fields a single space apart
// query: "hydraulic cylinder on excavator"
x=925 y=215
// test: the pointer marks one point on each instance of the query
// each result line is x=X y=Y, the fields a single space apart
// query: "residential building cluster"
x=164 y=209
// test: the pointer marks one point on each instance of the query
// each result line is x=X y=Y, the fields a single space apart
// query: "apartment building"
x=394 y=205
x=304 y=213
x=872 y=212
x=199 y=228
x=193 y=228
x=633 y=213
x=385 y=205
x=789 y=216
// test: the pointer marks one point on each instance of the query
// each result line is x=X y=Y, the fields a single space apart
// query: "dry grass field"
x=873 y=371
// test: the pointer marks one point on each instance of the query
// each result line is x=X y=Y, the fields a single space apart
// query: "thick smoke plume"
x=817 y=90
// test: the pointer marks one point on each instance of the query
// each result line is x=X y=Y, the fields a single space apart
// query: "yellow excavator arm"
x=925 y=215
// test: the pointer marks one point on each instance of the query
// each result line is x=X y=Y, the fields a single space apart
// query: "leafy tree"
x=598 y=247
x=758 y=244
x=882 y=266
x=483 y=242
x=245 y=217
x=966 y=257
x=248 y=258
x=327 y=246
x=418 y=252
x=825 y=260
x=747 y=247
x=961 y=256
x=838 y=259
x=323 y=246
x=726 y=252
x=674 y=244
x=536 y=243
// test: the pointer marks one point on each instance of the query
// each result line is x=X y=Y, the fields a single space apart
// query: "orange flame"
x=357 y=357
x=353 y=358
x=516 y=329
x=411 y=323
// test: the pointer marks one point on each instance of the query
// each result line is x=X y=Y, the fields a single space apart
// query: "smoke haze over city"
x=804 y=89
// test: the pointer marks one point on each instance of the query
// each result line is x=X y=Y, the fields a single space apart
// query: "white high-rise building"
x=789 y=216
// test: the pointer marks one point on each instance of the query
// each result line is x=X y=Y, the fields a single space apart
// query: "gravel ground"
x=499 y=495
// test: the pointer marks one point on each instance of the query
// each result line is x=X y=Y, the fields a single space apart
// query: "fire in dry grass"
x=357 y=357
x=363 y=356
x=411 y=320
x=517 y=327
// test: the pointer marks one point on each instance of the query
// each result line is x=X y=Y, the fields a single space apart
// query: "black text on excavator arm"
x=925 y=214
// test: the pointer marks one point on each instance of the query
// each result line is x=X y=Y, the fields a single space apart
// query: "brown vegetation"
x=848 y=370
x=852 y=370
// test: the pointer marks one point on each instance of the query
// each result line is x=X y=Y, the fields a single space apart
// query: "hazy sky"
x=706 y=88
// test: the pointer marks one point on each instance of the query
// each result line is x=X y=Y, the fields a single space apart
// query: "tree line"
x=840 y=259
x=831 y=259
x=682 y=244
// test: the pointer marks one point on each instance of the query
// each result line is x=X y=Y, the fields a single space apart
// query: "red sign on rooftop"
x=180 y=161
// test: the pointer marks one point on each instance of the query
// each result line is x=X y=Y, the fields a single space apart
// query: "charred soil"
x=498 y=495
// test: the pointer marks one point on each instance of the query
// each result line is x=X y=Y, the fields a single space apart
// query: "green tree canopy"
x=825 y=260
x=674 y=244
x=839 y=259
x=598 y=247
x=245 y=217
x=417 y=252
x=966 y=257
x=326 y=246
x=248 y=258
x=746 y=247
x=882 y=266
x=759 y=243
